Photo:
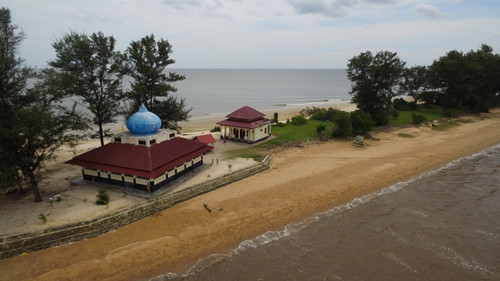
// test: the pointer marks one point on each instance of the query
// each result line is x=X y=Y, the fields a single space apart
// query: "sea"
x=441 y=225
x=217 y=92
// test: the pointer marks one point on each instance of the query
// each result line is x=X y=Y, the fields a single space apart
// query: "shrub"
x=362 y=122
x=344 y=125
x=215 y=129
x=275 y=117
x=394 y=114
x=102 y=197
x=43 y=217
x=403 y=105
x=418 y=118
x=320 y=128
x=299 y=120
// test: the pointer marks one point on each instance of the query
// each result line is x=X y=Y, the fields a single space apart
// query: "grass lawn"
x=286 y=134
x=430 y=113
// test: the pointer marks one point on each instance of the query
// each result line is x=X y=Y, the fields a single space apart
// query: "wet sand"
x=301 y=182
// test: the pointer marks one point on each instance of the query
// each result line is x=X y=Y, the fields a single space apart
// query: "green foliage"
x=467 y=81
x=145 y=62
x=275 y=117
x=374 y=80
x=321 y=114
x=43 y=217
x=394 y=114
x=344 y=125
x=362 y=122
x=102 y=197
x=32 y=122
x=418 y=118
x=414 y=82
x=87 y=67
x=320 y=129
x=298 y=120
x=403 y=105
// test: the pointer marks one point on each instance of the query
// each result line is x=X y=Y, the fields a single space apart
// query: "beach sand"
x=300 y=183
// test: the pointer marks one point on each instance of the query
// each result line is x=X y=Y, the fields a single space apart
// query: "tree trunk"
x=101 y=134
x=34 y=185
x=20 y=189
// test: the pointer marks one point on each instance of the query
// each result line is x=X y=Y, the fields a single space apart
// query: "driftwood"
x=206 y=207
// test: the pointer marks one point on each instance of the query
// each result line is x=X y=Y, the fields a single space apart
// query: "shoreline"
x=300 y=183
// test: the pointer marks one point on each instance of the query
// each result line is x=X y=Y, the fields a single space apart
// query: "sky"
x=266 y=33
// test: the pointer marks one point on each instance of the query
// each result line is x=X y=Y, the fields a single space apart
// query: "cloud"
x=332 y=8
x=427 y=11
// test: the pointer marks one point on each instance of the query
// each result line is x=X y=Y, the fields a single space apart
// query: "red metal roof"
x=205 y=138
x=143 y=161
x=246 y=113
x=244 y=124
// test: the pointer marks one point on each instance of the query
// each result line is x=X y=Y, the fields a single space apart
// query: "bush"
x=362 y=122
x=102 y=197
x=403 y=105
x=215 y=129
x=344 y=125
x=299 y=120
x=418 y=118
x=275 y=117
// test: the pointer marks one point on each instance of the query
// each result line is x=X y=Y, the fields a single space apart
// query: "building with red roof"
x=207 y=139
x=245 y=124
x=144 y=161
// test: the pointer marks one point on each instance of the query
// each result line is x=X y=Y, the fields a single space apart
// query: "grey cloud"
x=332 y=8
x=427 y=11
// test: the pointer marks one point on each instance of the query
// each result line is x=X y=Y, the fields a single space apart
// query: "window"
x=172 y=135
x=118 y=139
x=153 y=141
x=142 y=142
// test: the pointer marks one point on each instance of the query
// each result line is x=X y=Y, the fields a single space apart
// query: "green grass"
x=430 y=113
x=405 y=135
x=446 y=125
x=283 y=135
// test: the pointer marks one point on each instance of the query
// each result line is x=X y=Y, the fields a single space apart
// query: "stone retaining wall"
x=17 y=244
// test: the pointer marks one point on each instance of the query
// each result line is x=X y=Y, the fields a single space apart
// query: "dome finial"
x=143 y=122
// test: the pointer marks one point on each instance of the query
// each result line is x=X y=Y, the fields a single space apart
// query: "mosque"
x=146 y=157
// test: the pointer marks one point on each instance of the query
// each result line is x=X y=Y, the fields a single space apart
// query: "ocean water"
x=442 y=225
x=220 y=91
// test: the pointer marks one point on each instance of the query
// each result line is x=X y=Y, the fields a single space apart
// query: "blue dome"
x=143 y=122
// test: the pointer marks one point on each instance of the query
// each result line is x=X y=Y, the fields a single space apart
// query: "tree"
x=32 y=125
x=13 y=77
x=374 y=80
x=467 y=81
x=89 y=69
x=447 y=77
x=414 y=82
x=145 y=62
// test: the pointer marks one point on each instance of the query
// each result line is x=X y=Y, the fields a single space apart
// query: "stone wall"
x=17 y=244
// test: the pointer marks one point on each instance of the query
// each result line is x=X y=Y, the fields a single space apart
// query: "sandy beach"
x=300 y=183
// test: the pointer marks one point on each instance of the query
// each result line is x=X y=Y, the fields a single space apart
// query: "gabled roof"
x=207 y=139
x=246 y=113
x=245 y=124
x=143 y=161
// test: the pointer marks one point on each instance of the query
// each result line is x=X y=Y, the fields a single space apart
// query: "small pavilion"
x=145 y=158
x=246 y=125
